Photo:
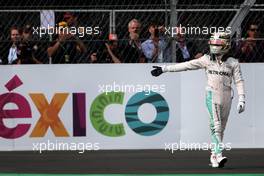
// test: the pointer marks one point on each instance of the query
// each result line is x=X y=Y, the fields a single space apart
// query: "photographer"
x=27 y=48
x=110 y=52
x=155 y=47
x=66 y=48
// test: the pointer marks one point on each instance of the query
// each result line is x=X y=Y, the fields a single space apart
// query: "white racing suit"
x=218 y=91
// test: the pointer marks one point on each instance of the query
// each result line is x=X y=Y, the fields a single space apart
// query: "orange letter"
x=49 y=115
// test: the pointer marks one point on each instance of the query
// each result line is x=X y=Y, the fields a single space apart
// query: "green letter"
x=97 y=114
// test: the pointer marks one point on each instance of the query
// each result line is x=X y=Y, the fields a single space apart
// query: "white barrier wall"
x=176 y=113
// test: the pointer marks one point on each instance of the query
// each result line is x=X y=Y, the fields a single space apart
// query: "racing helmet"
x=219 y=43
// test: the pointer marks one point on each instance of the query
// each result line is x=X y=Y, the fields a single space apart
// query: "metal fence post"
x=173 y=23
x=110 y=22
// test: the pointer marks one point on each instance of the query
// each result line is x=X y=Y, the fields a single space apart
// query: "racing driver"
x=220 y=70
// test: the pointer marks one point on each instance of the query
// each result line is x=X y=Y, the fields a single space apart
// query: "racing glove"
x=241 y=104
x=158 y=70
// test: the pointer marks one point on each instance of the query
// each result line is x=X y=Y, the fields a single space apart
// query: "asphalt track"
x=241 y=161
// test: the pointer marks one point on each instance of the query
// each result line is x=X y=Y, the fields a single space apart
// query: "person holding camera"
x=155 y=47
x=66 y=48
x=27 y=48
x=110 y=52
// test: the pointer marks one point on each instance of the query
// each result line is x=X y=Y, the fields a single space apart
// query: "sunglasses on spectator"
x=254 y=29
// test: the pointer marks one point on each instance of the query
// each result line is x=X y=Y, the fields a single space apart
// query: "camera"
x=156 y=32
x=25 y=51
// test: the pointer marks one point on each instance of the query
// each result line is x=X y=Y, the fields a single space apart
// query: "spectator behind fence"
x=66 y=48
x=155 y=47
x=185 y=50
x=251 y=49
x=71 y=19
x=27 y=48
x=132 y=52
x=11 y=56
x=110 y=53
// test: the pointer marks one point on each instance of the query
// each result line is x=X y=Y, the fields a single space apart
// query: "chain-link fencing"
x=90 y=24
